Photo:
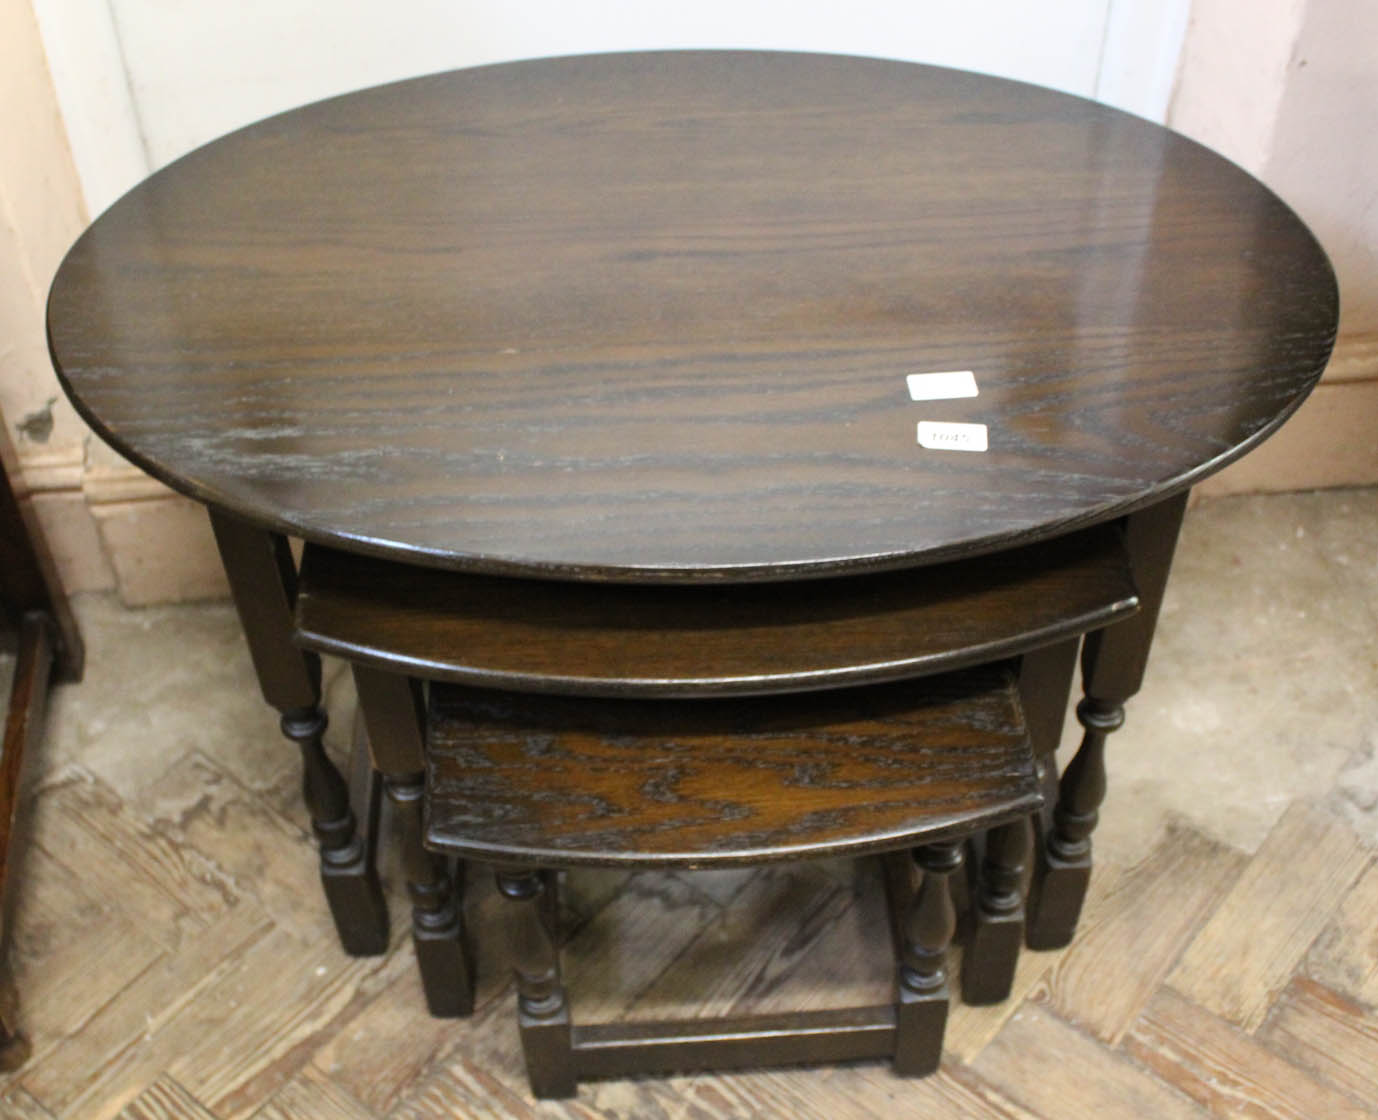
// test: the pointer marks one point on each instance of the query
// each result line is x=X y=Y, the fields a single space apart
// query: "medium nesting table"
x=766 y=344
x=575 y=724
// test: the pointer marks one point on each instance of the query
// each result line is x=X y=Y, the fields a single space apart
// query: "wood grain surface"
x=1147 y=919
x=1330 y=1034
x=648 y=317
x=615 y=639
x=1236 y=966
x=561 y=781
x=1226 y=1071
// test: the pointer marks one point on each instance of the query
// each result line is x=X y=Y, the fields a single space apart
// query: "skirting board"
x=1331 y=441
x=161 y=550
x=157 y=549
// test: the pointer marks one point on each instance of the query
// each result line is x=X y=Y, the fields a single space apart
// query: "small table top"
x=560 y=781
x=649 y=317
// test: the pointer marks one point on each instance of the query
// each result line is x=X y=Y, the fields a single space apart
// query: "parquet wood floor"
x=174 y=960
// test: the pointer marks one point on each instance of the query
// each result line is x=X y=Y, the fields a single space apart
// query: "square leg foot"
x=1055 y=901
x=990 y=958
x=547 y=1044
x=355 y=897
x=446 y=964
x=921 y=1020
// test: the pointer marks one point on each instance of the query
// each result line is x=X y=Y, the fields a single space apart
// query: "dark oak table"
x=651 y=320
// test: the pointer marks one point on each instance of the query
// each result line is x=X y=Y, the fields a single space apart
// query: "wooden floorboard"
x=1345 y=956
x=188 y=971
x=1045 y=1065
x=165 y=1100
x=1126 y=946
x=1330 y=1036
x=1226 y=1071
x=1246 y=954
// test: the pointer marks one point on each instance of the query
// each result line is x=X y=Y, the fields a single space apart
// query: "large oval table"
x=666 y=319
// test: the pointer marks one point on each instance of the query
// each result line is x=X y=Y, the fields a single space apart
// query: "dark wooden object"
x=566 y=781
x=926 y=934
x=993 y=898
x=392 y=711
x=534 y=783
x=393 y=620
x=263 y=582
x=23 y=727
x=33 y=602
x=542 y=1006
x=617 y=640
x=648 y=317
x=997 y=914
x=1113 y=662
x=29 y=581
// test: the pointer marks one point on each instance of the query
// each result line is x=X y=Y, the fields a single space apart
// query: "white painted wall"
x=40 y=214
x=1138 y=60
x=1324 y=155
x=143 y=81
x=92 y=88
x=1233 y=75
x=1289 y=90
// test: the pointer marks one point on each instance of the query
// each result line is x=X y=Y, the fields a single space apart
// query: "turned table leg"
x=262 y=581
x=1000 y=866
x=1113 y=661
x=997 y=931
x=392 y=710
x=1065 y=867
x=926 y=936
x=542 y=1005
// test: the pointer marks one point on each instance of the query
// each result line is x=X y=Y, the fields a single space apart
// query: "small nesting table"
x=536 y=784
x=649 y=321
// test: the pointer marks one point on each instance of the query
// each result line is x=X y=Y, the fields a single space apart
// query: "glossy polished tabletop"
x=650 y=316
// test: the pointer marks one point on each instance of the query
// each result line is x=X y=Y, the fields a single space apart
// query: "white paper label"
x=941 y=386
x=952 y=437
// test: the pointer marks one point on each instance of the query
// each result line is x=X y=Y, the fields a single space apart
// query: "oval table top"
x=650 y=317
